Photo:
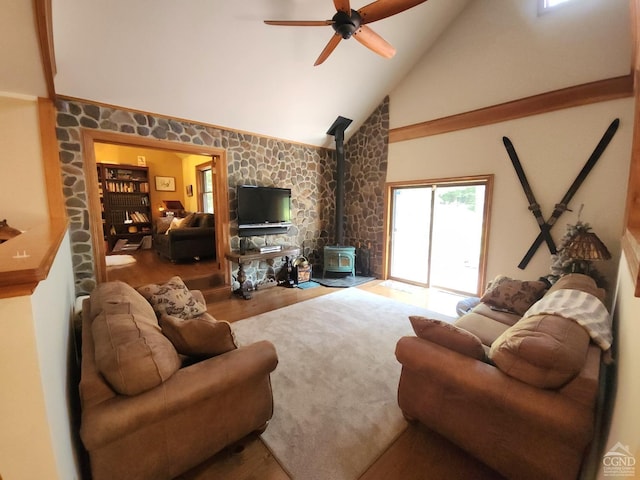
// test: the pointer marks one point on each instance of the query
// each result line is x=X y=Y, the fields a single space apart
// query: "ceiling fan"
x=347 y=23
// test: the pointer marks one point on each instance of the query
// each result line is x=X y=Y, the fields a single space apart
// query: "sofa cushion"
x=119 y=297
x=132 y=355
x=201 y=336
x=482 y=326
x=579 y=281
x=172 y=298
x=545 y=351
x=204 y=220
x=514 y=296
x=448 y=335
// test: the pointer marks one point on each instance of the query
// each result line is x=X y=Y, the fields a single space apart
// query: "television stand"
x=253 y=255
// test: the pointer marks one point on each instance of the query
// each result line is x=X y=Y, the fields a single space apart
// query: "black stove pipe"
x=337 y=130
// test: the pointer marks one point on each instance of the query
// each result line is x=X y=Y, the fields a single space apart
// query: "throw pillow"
x=514 y=296
x=163 y=224
x=198 y=337
x=175 y=224
x=188 y=221
x=172 y=298
x=449 y=336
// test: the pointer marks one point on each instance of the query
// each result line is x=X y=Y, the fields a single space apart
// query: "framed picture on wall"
x=165 y=184
x=189 y=190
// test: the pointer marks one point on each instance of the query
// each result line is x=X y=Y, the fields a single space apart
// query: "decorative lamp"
x=579 y=248
x=586 y=245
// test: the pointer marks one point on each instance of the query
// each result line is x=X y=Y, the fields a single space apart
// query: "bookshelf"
x=125 y=205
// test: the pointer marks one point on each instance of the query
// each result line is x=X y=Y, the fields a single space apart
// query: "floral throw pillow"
x=513 y=296
x=172 y=298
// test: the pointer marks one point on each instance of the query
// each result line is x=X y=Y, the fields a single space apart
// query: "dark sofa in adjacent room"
x=187 y=238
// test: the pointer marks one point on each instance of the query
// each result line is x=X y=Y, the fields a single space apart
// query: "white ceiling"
x=216 y=62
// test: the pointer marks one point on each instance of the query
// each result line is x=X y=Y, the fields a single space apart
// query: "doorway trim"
x=220 y=197
x=487 y=180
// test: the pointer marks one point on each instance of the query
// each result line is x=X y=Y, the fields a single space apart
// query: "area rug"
x=343 y=282
x=119 y=260
x=336 y=382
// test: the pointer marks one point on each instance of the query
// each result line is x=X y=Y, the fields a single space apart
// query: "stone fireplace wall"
x=366 y=155
x=251 y=159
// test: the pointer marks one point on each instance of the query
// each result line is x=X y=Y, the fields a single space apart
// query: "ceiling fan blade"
x=385 y=8
x=331 y=46
x=342 y=6
x=374 y=42
x=300 y=23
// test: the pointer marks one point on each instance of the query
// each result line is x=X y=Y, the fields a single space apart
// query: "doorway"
x=438 y=233
x=214 y=156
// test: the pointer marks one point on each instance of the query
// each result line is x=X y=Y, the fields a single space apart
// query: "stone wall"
x=251 y=159
x=366 y=155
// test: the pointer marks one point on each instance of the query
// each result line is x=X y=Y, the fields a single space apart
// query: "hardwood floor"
x=153 y=268
x=417 y=454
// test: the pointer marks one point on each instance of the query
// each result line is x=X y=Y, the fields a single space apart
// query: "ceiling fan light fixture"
x=346 y=25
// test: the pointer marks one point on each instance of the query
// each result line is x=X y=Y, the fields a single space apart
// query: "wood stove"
x=339 y=259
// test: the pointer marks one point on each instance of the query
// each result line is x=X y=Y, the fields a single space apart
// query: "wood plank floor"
x=153 y=268
x=417 y=454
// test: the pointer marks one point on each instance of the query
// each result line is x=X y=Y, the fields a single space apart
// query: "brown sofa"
x=518 y=394
x=149 y=412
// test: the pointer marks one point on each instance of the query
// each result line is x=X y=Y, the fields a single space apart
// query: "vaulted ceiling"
x=216 y=62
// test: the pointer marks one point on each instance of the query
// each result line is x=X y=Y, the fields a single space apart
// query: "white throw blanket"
x=580 y=307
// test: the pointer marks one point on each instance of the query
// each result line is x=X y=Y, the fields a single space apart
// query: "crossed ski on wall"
x=559 y=209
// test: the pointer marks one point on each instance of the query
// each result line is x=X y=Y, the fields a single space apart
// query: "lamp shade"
x=586 y=245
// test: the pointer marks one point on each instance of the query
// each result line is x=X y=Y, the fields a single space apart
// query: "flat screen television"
x=263 y=207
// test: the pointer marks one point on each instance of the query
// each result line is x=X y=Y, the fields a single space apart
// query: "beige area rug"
x=335 y=387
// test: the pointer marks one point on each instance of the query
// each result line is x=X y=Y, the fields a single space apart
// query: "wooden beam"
x=600 y=91
x=44 y=26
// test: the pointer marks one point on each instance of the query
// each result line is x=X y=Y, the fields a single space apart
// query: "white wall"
x=552 y=148
x=625 y=424
x=35 y=421
x=52 y=306
x=500 y=50
x=22 y=192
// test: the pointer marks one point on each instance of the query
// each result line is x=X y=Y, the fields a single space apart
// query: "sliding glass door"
x=438 y=232
x=411 y=234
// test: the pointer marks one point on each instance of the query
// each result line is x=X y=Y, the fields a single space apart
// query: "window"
x=438 y=233
x=547 y=5
x=205 y=187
